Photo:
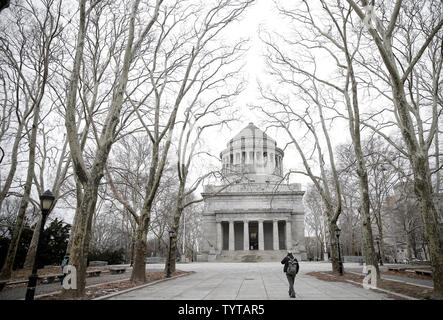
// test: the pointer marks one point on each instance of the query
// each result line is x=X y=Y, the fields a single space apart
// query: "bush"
x=54 y=243
x=111 y=256
x=52 y=249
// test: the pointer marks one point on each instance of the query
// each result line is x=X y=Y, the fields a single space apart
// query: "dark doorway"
x=225 y=235
x=268 y=235
x=253 y=235
x=238 y=235
x=282 y=235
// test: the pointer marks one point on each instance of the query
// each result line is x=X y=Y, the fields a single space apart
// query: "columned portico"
x=232 y=235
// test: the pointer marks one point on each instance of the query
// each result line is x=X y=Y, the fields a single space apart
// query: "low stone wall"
x=155 y=260
x=202 y=257
x=98 y=263
x=358 y=259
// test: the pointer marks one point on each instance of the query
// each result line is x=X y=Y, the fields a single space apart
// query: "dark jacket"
x=285 y=261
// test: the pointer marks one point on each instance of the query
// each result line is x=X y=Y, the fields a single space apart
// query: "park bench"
x=49 y=278
x=423 y=272
x=93 y=273
x=396 y=269
x=98 y=263
x=117 y=270
x=3 y=283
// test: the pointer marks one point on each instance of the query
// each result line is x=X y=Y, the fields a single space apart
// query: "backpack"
x=292 y=267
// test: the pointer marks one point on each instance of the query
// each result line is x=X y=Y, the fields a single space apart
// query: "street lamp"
x=340 y=264
x=46 y=204
x=377 y=239
x=171 y=235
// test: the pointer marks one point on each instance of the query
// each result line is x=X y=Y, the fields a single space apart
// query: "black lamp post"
x=46 y=204
x=340 y=264
x=171 y=235
x=377 y=239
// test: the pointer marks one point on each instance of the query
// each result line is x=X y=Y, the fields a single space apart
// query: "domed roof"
x=252 y=152
x=250 y=131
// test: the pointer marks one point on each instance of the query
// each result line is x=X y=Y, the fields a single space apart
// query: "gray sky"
x=265 y=16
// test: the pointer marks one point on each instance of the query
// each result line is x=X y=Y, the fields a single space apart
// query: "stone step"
x=251 y=255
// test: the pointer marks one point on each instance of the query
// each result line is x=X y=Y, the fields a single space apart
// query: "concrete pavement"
x=249 y=281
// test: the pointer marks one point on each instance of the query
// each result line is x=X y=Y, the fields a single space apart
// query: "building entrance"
x=253 y=236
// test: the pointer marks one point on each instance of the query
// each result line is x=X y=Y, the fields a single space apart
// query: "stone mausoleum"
x=253 y=215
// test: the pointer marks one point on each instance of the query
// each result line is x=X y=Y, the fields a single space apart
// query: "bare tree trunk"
x=12 y=249
x=176 y=226
x=80 y=240
x=382 y=246
x=30 y=256
x=13 y=168
x=334 y=247
x=139 y=266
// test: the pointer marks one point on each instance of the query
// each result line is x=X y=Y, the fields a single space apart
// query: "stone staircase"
x=251 y=256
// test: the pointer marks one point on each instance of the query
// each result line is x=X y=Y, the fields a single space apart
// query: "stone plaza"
x=249 y=281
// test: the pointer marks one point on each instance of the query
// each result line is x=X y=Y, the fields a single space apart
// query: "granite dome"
x=252 y=152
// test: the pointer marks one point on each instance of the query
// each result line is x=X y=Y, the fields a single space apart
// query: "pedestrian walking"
x=291 y=269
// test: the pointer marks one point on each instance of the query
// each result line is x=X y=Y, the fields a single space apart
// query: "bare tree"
x=183 y=57
x=382 y=179
x=198 y=118
x=340 y=40
x=294 y=66
x=127 y=175
x=34 y=75
x=90 y=178
x=57 y=161
x=401 y=46
x=283 y=115
x=315 y=219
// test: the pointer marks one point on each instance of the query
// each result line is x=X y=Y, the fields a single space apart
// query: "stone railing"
x=254 y=187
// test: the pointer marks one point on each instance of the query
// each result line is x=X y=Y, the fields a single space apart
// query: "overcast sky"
x=264 y=15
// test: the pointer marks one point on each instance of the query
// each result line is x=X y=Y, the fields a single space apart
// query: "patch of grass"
x=412 y=291
x=103 y=289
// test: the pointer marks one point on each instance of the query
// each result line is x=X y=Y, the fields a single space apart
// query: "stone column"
x=245 y=235
x=231 y=235
x=261 y=238
x=275 y=235
x=219 y=237
x=288 y=235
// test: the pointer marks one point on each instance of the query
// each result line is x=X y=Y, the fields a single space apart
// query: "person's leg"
x=291 y=284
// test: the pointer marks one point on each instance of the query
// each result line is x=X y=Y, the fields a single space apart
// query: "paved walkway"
x=234 y=281
x=249 y=281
